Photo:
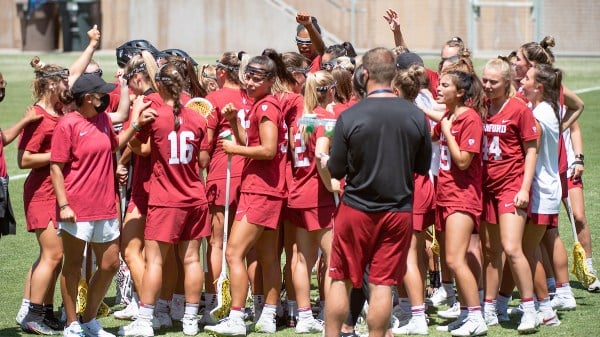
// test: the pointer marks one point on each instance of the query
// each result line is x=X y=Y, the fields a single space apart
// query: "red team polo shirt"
x=306 y=190
x=266 y=177
x=86 y=147
x=502 y=150
x=175 y=180
x=458 y=187
x=218 y=159
x=37 y=138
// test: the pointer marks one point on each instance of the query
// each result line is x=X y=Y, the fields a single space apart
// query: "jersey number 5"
x=181 y=149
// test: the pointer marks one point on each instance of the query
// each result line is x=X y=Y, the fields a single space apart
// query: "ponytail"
x=172 y=84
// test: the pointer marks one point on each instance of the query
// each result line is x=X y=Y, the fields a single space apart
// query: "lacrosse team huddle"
x=246 y=154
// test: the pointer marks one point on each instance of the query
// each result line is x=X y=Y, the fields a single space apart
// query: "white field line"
x=584 y=90
x=19 y=176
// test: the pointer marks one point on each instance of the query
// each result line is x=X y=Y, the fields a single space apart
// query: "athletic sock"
x=146 y=311
x=304 y=313
x=191 y=309
x=417 y=310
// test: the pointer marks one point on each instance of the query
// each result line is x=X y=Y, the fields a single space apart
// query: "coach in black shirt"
x=378 y=144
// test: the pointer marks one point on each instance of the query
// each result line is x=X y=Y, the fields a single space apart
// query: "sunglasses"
x=328 y=65
x=305 y=41
x=96 y=72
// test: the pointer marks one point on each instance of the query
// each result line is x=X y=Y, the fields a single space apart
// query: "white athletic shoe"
x=177 y=307
x=491 y=318
x=473 y=326
x=265 y=325
x=310 y=325
x=440 y=297
x=417 y=325
x=129 y=313
x=227 y=327
x=548 y=319
x=563 y=302
x=73 y=330
x=141 y=327
x=529 y=323
x=190 y=325
x=450 y=313
x=164 y=319
x=94 y=329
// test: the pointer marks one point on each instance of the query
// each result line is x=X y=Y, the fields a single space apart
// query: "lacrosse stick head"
x=223 y=299
x=580 y=269
x=201 y=105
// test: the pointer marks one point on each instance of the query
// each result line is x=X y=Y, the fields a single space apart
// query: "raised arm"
x=391 y=16
x=122 y=113
x=305 y=20
x=78 y=67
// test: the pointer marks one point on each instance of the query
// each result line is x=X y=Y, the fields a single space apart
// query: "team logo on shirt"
x=495 y=128
x=534 y=129
x=264 y=107
x=471 y=141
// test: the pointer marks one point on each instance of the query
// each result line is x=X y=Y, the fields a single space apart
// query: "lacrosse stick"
x=579 y=269
x=223 y=291
x=201 y=105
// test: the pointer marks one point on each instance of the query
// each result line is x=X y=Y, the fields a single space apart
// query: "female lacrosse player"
x=310 y=201
x=509 y=157
x=139 y=74
x=459 y=186
x=231 y=91
x=177 y=208
x=411 y=83
x=262 y=193
x=541 y=86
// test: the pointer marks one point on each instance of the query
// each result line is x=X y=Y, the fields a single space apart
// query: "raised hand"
x=304 y=19
x=94 y=36
x=391 y=16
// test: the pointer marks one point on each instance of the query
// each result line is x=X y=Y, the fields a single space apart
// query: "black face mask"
x=2 y=94
x=104 y=102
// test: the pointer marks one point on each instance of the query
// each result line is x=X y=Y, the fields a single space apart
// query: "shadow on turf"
x=12 y=332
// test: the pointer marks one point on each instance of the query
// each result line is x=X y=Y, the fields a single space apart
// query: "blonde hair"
x=502 y=65
x=315 y=89
x=151 y=68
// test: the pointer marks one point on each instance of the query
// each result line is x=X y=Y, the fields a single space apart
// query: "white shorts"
x=99 y=231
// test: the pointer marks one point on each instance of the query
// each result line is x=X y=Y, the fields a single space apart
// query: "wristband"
x=579 y=156
x=135 y=126
x=578 y=162
x=63 y=206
